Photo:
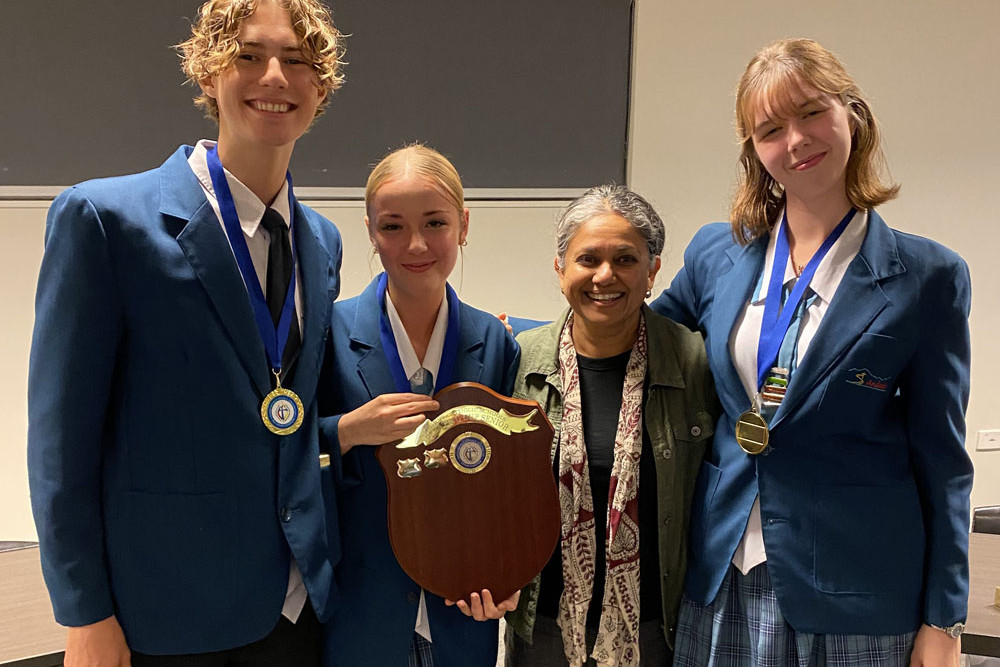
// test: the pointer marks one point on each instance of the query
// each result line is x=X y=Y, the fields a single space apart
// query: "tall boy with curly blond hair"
x=180 y=321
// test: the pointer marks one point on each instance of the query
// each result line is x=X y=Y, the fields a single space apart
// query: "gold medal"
x=751 y=432
x=282 y=411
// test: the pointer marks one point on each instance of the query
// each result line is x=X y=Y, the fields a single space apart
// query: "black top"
x=601 y=384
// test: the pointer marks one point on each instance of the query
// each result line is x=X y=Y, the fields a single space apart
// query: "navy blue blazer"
x=864 y=496
x=374 y=622
x=158 y=494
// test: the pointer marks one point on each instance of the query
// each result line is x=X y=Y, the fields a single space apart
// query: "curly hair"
x=776 y=75
x=214 y=43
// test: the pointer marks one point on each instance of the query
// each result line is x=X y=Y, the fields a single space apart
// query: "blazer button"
x=696 y=431
x=413 y=598
x=667 y=453
x=286 y=514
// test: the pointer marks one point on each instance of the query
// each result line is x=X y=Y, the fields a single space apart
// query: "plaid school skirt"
x=420 y=653
x=744 y=627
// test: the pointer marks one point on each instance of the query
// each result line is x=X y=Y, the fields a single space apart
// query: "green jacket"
x=679 y=415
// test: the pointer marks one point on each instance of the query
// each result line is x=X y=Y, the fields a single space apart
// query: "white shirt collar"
x=249 y=208
x=432 y=359
x=831 y=269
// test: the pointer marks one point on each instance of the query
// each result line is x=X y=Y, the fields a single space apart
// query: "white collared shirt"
x=746 y=334
x=431 y=362
x=435 y=347
x=250 y=210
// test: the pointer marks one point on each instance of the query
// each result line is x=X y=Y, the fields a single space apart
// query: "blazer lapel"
x=732 y=292
x=207 y=249
x=314 y=262
x=471 y=347
x=372 y=365
x=858 y=301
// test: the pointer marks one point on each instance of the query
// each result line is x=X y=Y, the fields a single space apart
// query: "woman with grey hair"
x=630 y=395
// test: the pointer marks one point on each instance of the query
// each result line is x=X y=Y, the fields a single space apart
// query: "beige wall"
x=930 y=68
x=21 y=228
x=932 y=72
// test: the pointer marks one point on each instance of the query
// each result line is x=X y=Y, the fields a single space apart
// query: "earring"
x=464 y=243
x=649 y=293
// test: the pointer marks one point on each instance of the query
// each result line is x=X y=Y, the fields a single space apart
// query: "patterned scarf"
x=618 y=635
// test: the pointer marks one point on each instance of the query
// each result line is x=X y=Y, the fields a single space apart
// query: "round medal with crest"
x=282 y=411
x=470 y=452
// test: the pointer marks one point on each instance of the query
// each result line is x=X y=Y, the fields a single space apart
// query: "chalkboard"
x=519 y=93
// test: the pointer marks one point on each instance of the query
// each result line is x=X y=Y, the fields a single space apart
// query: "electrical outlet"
x=988 y=440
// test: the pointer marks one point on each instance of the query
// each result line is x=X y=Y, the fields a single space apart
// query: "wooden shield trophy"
x=472 y=497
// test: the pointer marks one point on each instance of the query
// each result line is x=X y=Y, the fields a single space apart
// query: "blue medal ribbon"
x=777 y=319
x=274 y=337
x=448 y=355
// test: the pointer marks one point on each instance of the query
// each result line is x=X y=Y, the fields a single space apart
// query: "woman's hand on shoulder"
x=384 y=419
x=935 y=648
x=482 y=607
x=506 y=322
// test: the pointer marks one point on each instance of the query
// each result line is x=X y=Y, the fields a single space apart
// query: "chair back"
x=986 y=520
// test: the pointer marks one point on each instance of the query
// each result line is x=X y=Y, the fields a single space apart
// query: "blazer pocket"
x=184 y=542
x=864 y=383
x=868 y=539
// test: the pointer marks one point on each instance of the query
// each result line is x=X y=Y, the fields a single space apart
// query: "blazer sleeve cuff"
x=74 y=606
x=345 y=473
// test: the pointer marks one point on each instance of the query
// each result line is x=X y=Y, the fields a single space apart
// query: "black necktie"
x=279 y=272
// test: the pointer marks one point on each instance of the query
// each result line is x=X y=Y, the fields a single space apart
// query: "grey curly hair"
x=610 y=198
